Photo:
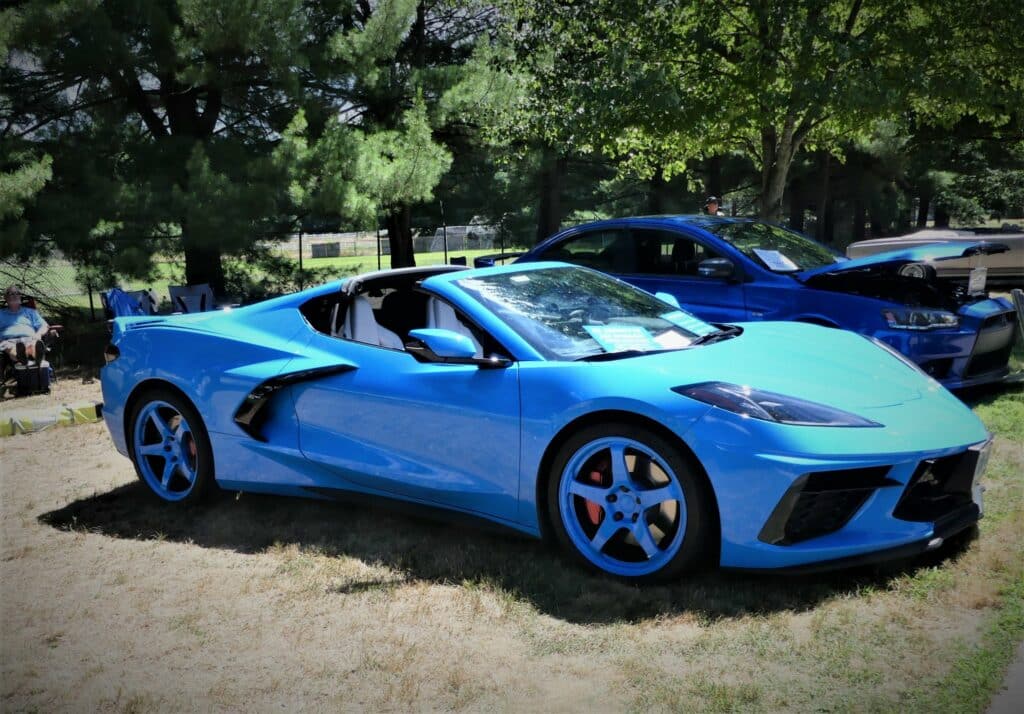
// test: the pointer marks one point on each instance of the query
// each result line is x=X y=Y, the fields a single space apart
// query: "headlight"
x=912 y=318
x=768 y=406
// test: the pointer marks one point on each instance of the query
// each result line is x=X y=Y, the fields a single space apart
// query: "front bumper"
x=976 y=353
x=758 y=490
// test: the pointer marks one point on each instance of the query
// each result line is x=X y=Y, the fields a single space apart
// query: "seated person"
x=21 y=329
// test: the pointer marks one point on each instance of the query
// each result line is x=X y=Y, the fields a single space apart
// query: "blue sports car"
x=737 y=269
x=553 y=399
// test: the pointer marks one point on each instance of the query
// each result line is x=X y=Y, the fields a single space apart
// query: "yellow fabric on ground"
x=27 y=421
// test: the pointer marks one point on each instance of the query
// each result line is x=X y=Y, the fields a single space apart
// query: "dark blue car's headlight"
x=917 y=318
x=768 y=406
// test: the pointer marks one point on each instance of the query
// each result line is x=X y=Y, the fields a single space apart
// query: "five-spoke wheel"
x=169 y=446
x=626 y=501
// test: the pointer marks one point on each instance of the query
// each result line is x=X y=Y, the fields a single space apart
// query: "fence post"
x=444 y=232
x=302 y=283
x=92 y=310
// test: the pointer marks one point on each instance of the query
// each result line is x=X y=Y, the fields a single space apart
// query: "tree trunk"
x=796 y=206
x=657 y=193
x=924 y=204
x=941 y=216
x=859 y=217
x=821 y=230
x=549 y=213
x=203 y=265
x=777 y=150
x=713 y=185
x=399 y=223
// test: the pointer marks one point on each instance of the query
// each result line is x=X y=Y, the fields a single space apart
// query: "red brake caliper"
x=594 y=510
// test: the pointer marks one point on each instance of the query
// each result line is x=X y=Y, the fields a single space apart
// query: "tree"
x=659 y=83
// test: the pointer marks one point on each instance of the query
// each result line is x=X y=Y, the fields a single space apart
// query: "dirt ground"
x=112 y=602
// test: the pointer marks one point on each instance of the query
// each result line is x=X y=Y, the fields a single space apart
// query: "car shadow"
x=418 y=548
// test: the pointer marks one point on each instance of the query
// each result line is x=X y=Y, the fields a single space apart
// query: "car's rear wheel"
x=625 y=501
x=170 y=448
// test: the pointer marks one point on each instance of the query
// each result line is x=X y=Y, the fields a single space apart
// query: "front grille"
x=938 y=487
x=821 y=503
x=994 y=344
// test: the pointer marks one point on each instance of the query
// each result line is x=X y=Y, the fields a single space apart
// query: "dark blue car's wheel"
x=170 y=447
x=628 y=503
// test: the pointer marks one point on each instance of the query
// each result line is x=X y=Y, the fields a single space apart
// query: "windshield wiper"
x=723 y=333
x=623 y=354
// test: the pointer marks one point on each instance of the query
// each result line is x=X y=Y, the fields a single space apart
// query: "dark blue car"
x=739 y=270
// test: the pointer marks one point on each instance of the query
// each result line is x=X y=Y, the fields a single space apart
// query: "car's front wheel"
x=170 y=448
x=624 y=500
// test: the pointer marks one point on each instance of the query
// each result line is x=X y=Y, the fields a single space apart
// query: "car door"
x=445 y=434
x=668 y=261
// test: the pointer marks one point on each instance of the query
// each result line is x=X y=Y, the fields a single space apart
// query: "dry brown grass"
x=110 y=601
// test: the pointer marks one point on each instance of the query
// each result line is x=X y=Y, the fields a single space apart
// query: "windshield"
x=572 y=313
x=775 y=248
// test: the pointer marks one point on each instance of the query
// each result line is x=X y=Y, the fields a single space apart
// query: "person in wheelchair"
x=21 y=330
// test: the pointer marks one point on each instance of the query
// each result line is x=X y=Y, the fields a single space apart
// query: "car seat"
x=684 y=257
x=361 y=326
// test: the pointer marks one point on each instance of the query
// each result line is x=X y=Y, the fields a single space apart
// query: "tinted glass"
x=775 y=248
x=609 y=250
x=661 y=252
x=568 y=313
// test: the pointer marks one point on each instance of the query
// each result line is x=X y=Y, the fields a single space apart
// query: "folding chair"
x=191 y=298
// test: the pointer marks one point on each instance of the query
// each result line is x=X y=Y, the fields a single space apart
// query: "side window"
x=607 y=250
x=668 y=253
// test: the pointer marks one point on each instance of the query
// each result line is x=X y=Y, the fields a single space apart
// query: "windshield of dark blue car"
x=572 y=313
x=775 y=248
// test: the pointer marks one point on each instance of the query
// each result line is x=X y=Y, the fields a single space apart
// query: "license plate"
x=976 y=283
x=977 y=490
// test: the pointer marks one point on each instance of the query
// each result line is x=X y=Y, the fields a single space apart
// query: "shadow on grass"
x=414 y=548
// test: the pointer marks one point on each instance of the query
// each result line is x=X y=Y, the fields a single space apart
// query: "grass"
x=465 y=619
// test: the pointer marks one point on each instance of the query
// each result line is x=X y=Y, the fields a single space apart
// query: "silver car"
x=1005 y=268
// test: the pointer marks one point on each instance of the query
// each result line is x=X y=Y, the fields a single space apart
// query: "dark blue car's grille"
x=994 y=344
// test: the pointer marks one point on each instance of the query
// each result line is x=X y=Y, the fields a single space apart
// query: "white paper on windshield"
x=622 y=338
x=775 y=260
x=689 y=323
x=976 y=283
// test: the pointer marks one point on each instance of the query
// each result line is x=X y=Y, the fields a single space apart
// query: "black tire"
x=578 y=523
x=184 y=452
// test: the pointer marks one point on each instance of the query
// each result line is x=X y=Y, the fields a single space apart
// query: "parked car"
x=553 y=399
x=728 y=270
x=1004 y=268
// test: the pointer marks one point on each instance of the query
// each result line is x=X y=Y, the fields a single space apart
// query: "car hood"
x=834 y=367
x=918 y=254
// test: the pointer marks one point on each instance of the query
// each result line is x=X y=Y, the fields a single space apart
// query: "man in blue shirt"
x=21 y=329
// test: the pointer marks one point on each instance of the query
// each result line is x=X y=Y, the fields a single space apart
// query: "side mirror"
x=445 y=344
x=669 y=298
x=716 y=268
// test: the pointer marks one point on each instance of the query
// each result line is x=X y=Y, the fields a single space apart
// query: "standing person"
x=21 y=329
x=711 y=206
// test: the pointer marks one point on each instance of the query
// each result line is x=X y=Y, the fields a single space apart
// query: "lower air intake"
x=821 y=503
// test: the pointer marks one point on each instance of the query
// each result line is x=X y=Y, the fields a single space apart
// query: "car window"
x=775 y=248
x=661 y=252
x=610 y=250
x=567 y=314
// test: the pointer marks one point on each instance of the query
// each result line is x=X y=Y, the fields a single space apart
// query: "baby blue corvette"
x=555 y=400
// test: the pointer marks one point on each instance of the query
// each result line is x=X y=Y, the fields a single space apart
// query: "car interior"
x=383 y=311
